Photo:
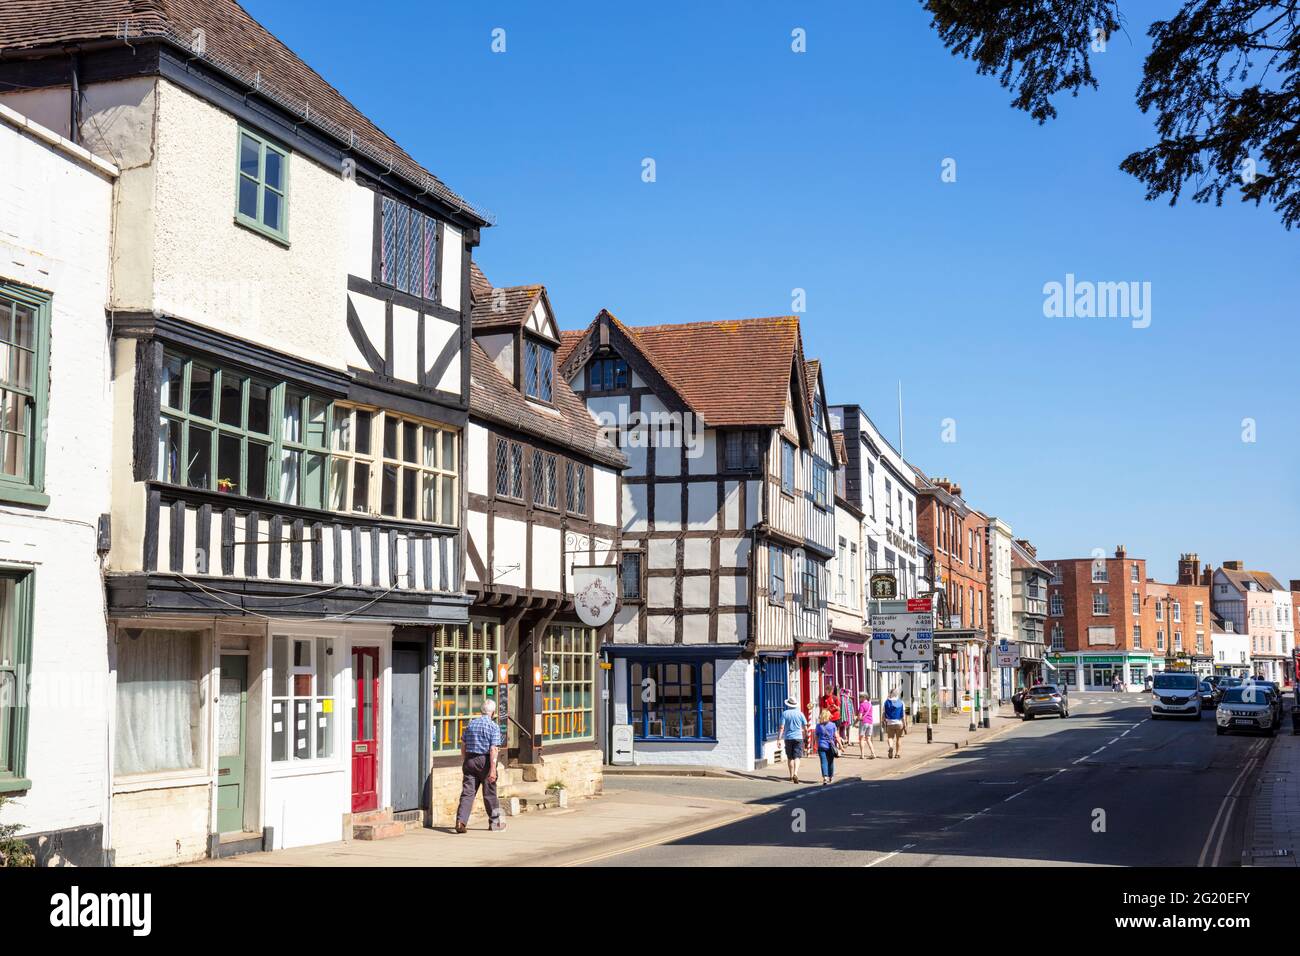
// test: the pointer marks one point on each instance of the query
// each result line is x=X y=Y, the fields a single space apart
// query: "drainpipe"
x=74 y=106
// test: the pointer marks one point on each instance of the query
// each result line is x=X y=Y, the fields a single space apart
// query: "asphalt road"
x=1108 y=786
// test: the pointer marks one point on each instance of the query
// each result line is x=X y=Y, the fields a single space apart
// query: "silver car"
x=1247 y=707
x=1045 y=699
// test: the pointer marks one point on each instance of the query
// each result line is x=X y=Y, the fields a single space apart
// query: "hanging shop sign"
x=594 y=593
x=884 y=587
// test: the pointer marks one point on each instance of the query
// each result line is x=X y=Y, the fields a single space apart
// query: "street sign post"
x=1008 y=654
x=902 y=638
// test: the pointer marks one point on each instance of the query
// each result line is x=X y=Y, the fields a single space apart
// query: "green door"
x=232 y=719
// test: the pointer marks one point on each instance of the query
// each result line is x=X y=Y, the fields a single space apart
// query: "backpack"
x=893 y=709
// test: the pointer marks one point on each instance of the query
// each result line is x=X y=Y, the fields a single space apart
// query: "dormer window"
x=408 y=249
x=539 y=370
x=609 y=373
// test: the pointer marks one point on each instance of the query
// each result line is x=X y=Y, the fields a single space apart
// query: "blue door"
x=760 y=703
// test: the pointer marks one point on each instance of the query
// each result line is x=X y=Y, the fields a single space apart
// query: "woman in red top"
x=831 y=701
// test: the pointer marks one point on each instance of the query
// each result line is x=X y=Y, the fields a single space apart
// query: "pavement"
x=1272 y=832
x=586 y=829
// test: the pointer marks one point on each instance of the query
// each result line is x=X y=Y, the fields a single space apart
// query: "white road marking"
x=1228 y=803
x=1112 y=740
x=890 y=856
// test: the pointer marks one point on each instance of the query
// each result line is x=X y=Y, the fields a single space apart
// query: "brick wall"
x=160 y=827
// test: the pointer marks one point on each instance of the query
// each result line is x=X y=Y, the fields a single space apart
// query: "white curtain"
x=157 y=700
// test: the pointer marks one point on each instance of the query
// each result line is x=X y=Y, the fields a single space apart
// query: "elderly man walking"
x=479 y=746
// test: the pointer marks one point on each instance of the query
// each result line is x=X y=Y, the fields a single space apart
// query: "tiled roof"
x=569 y=338
x=841 y=448
x=234 y=41
x=505 y=305
x=494 y=397
x=1240 y=579
x=479 y=287
x=730 y=373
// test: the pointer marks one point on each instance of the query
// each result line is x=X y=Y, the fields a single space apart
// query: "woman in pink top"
x=866 y=719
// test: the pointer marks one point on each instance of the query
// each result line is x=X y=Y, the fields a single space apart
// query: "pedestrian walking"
x=830 y=701
x=793 y=727
x=1115 y=684
x=828 y=745
x=895 y=723
x=866 y=722
x=847 y=708
x=479 y=746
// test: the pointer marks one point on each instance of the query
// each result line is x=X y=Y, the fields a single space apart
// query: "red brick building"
x=1095 y=621
x=957 y=533
x=1176 y=619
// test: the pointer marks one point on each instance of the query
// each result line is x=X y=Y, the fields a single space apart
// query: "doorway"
x=232 y=756
x=406 y=722
x=365 y=729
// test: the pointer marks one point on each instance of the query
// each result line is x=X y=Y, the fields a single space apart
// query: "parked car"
x=1044 y=699
x=1176 y=694
x=1243 y=708
x=1272 y=692
x=1209 y=696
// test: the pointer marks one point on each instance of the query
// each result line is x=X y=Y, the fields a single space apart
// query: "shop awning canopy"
x=815 y=648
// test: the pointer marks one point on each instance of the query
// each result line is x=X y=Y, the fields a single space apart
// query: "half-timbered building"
x=289 y=323
x=544 y=498
x=727 y=521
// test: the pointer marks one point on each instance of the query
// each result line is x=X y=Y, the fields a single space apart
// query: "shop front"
x=1096 y=672
x=848 y=664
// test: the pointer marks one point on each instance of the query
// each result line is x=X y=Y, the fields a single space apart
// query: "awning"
x=815 y=648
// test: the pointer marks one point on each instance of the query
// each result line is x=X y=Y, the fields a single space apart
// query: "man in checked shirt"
x=479 y=747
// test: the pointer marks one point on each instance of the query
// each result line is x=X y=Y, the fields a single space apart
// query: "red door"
x=365 y=729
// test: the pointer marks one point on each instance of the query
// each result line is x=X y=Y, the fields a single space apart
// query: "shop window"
x=303 y=697
x=15 y=665
x=568 y=662
x=159 y=717
x=464 y=667
x=672 y=701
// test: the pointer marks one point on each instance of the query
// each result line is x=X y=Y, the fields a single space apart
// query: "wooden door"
x=365 y=729
x=232 y=754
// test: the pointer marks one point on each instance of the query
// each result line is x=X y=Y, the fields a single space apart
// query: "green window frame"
x=16 y=589
x=224 y=430
x=24 y=393
x=262 y=185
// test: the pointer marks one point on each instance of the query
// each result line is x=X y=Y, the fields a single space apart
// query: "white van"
x=1176 y=694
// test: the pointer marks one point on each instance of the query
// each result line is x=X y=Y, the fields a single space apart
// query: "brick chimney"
x=1033 y=552
x=1119 y=551
x=950 y=486
x=1189 y=568
x=1295 y=585
x=1207 y=576
x=1232 y=565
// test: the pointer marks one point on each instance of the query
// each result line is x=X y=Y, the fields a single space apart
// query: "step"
x=377 y=831
x=372 y=816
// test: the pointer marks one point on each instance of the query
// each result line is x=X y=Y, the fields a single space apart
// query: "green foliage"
x=1223 y=78
x=13 y=851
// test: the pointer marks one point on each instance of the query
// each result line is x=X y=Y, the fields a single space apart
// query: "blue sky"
x=821 y=171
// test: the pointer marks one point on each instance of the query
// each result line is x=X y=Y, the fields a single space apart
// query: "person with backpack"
x=828 y=745
x=895 y=722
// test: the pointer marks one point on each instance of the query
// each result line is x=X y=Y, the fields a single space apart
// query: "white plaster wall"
x=661 y=553
x=635 y=511
x=215 y=272
x=702 y=500
x=547 y=545
x=604 y=495
x=500 y=349
x=55 y=220
x=360 y=203
x=308 y=808
x=437 y=333
x=668 y=506
x=476 y=527
x=453 y=252
x=509 y=539
x=477 y=462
